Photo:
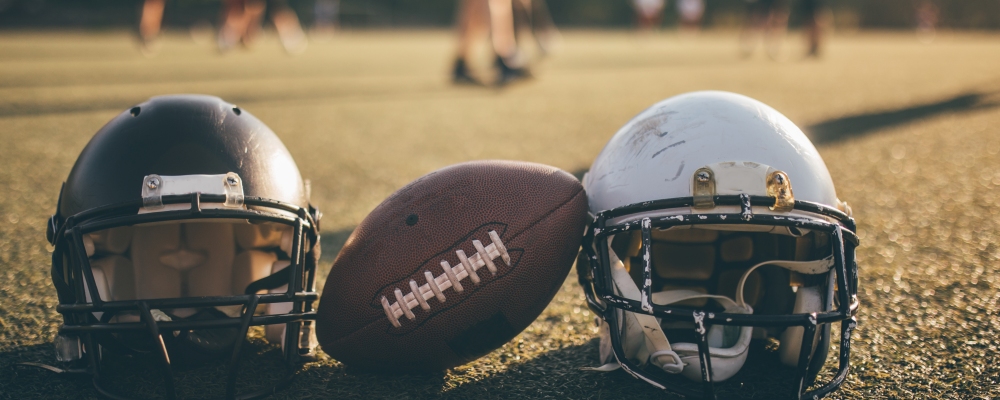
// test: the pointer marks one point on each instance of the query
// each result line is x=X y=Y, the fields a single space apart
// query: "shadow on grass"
x=261 y=367
x=558 y=374
x=35 y=383
x=554 y=374
x=843 y=128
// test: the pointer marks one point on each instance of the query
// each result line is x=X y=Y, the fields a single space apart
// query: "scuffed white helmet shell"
x=655 y=155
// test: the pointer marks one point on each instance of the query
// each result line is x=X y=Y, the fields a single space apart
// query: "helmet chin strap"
x=645 y=342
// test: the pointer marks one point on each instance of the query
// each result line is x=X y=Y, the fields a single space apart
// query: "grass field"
x=910 y=132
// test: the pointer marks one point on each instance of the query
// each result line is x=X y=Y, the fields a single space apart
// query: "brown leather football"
x=451 y=266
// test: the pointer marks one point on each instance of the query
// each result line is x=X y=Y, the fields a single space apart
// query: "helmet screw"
x=231 y=181
x=702 y=176
x=153 y=183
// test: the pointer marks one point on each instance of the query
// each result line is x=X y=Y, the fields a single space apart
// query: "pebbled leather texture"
x=539 y=213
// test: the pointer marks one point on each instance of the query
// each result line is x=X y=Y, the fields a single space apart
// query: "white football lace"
x=451 y=278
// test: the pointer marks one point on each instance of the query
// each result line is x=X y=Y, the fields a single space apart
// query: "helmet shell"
x=654 y=156
x=180 y=135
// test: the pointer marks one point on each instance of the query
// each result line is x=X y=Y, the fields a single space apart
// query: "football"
x=451 y=266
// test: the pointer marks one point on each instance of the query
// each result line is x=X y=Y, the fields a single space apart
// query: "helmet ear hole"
x=135 y=111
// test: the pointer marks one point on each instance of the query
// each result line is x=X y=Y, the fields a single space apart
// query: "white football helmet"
x=716 y=223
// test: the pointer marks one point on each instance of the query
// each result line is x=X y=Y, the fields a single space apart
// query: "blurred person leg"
x=240 y=22
x=326 y=14
x=767 y=18
x=522 y=22
x=149 y=25
x=753 y=25
x=524 y=25
x=293 y=39
x=509 y=61
x=533 y=25
x=814 y=22
x=648 y=14
x=690 y=12
x=473 y=23
x=776 y=25
x=542 y=27
x=927 y=20
x=235 y=22
x=253 y=19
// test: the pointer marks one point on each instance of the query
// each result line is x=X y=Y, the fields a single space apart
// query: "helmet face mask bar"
x=603 y=300
x=698 y=247
x=183 y=223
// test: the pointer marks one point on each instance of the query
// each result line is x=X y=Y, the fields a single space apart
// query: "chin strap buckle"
x=52 y=229
x=675 y=366
x=307 y=340
x=68 y=348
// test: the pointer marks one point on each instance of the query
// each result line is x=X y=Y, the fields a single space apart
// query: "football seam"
x=512 y=237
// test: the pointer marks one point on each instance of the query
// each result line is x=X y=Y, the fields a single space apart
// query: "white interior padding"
x=183 y=260
x=644 y=341
x=189 y=259
x=807 y=300
x=261 y=236
x=112 y=241
x=276 y=333
x=694 y=302
x=251 y=265
x=118 y=279
x=737 y=289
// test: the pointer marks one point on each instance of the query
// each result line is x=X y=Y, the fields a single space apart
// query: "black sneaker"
x=460 y=75
x=509 y=75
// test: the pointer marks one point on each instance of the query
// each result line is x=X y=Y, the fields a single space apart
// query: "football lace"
x=450 y=279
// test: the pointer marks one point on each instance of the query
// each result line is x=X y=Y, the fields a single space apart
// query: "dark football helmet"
x=716 y=224
x=183 y=223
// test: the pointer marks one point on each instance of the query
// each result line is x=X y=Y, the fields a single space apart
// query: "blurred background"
x=847 y=14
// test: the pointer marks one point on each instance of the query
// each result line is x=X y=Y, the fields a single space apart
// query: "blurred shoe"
x=549 y=41
x=295 y=42
x=772 y=46
x=227 y=40
x=460 y=75
x=813 y=52
x=149 y=46
x=509 y=74
x=293 y=39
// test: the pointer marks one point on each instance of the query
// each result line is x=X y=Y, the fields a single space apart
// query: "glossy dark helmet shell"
x=180 y=135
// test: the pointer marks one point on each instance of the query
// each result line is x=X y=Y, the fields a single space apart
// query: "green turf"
x=909 y=131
